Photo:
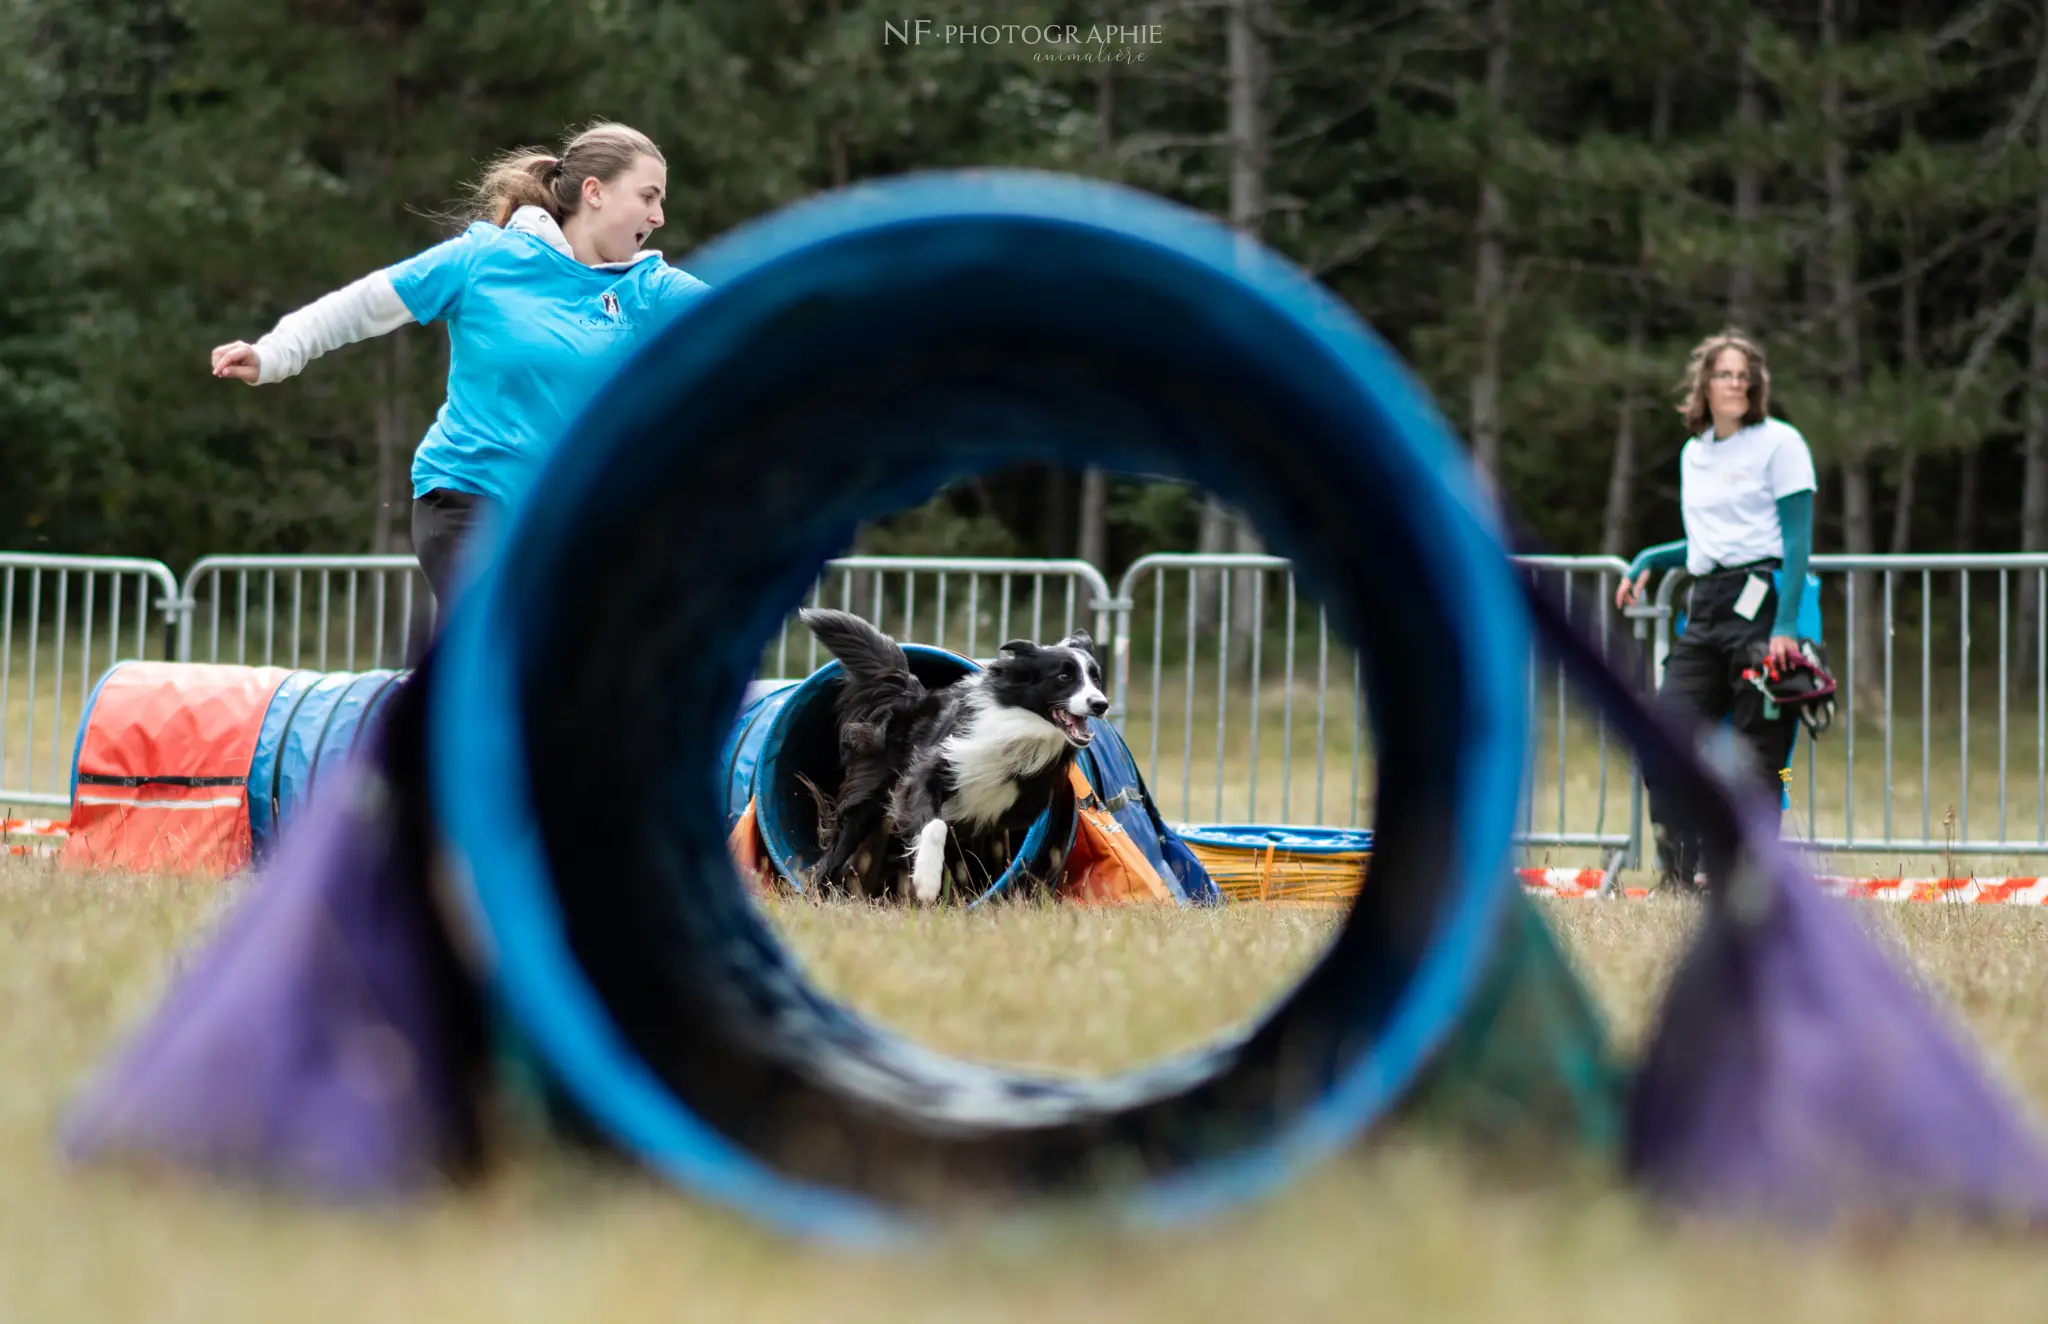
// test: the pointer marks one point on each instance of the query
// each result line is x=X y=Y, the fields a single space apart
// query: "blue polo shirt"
x=533 y=334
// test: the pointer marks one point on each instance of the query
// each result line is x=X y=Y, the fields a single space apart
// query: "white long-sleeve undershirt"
x=368 y=307
x=371 y=307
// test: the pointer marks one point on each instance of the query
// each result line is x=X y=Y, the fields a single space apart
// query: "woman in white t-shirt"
x=1746 y=487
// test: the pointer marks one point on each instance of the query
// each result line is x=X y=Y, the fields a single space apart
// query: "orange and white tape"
x=43 y=836
x=1570 y=882
x=31 y=836
x=1968 y=891
x=1962 y=891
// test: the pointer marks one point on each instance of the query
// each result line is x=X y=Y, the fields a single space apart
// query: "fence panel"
x=1242 y=706
x=352 y=613
x=1222 y=674
x=323 y=613
x=63 y=621
x=1940 y=740
x=1583 y=790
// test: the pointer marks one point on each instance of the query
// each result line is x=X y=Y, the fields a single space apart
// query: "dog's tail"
x=868 y=655
x=877 y=672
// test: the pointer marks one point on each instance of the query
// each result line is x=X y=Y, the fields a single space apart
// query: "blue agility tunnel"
x=257 y=738
x=857 y=353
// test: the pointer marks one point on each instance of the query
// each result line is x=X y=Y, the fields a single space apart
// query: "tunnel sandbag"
x=1794 y=1074
x=790 y=739
x=1117 y=800
x=1530 y=1068
x=875 y=344
x=160 y=780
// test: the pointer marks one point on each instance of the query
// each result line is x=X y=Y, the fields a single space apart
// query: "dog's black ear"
x=1082 y=640
x=1017 y=648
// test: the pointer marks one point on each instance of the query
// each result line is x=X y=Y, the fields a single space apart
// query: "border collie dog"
x=972 y=760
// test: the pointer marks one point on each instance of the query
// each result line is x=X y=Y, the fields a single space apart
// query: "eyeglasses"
x=1725 y=376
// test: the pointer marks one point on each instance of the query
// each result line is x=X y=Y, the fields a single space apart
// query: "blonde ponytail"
x=530 y=177
x=521 y=178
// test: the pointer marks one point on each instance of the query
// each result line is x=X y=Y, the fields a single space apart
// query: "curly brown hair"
x=530 y=177
x=1698 y=415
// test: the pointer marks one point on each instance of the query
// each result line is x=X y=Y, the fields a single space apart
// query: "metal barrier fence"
x=327 y=613
x=1923 y=643
x=1576 y=767
x=63 y=621
x=1241 y=707
x=1196 y=592
x=352 y=613
x=1229 y=687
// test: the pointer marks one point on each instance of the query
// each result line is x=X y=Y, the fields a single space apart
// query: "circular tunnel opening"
x=857 y=354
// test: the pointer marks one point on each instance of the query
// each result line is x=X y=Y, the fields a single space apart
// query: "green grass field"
x=1404 y=1228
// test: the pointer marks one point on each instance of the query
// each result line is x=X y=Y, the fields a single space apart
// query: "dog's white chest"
x=989 y=758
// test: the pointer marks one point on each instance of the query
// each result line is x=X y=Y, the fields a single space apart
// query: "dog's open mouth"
x=1075 y=728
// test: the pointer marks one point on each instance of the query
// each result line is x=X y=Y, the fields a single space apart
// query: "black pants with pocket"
x=441 y=522
x=1703 y=684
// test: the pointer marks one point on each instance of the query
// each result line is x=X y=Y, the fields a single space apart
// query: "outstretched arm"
x=369 y=307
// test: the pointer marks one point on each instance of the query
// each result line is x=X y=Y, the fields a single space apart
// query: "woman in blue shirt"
x=545 y=294
x=1746 y=484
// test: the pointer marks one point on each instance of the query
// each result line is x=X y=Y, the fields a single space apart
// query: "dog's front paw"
x=929 y=869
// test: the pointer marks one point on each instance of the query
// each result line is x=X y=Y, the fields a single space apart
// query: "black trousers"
x=441 y=522
x=1703 y=684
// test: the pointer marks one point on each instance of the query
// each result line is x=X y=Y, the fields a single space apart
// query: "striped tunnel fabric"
x=163 y=768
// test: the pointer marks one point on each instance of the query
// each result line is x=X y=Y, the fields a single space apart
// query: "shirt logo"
x=610 y=314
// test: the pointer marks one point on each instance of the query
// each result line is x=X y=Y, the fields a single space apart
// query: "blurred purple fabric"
x=1794 y=1074
x=1797 y=1075
x=325 y=1037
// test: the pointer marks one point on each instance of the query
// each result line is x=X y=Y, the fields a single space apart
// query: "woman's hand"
x=1784 y=651
x=237 y=360
x=1630 y=590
